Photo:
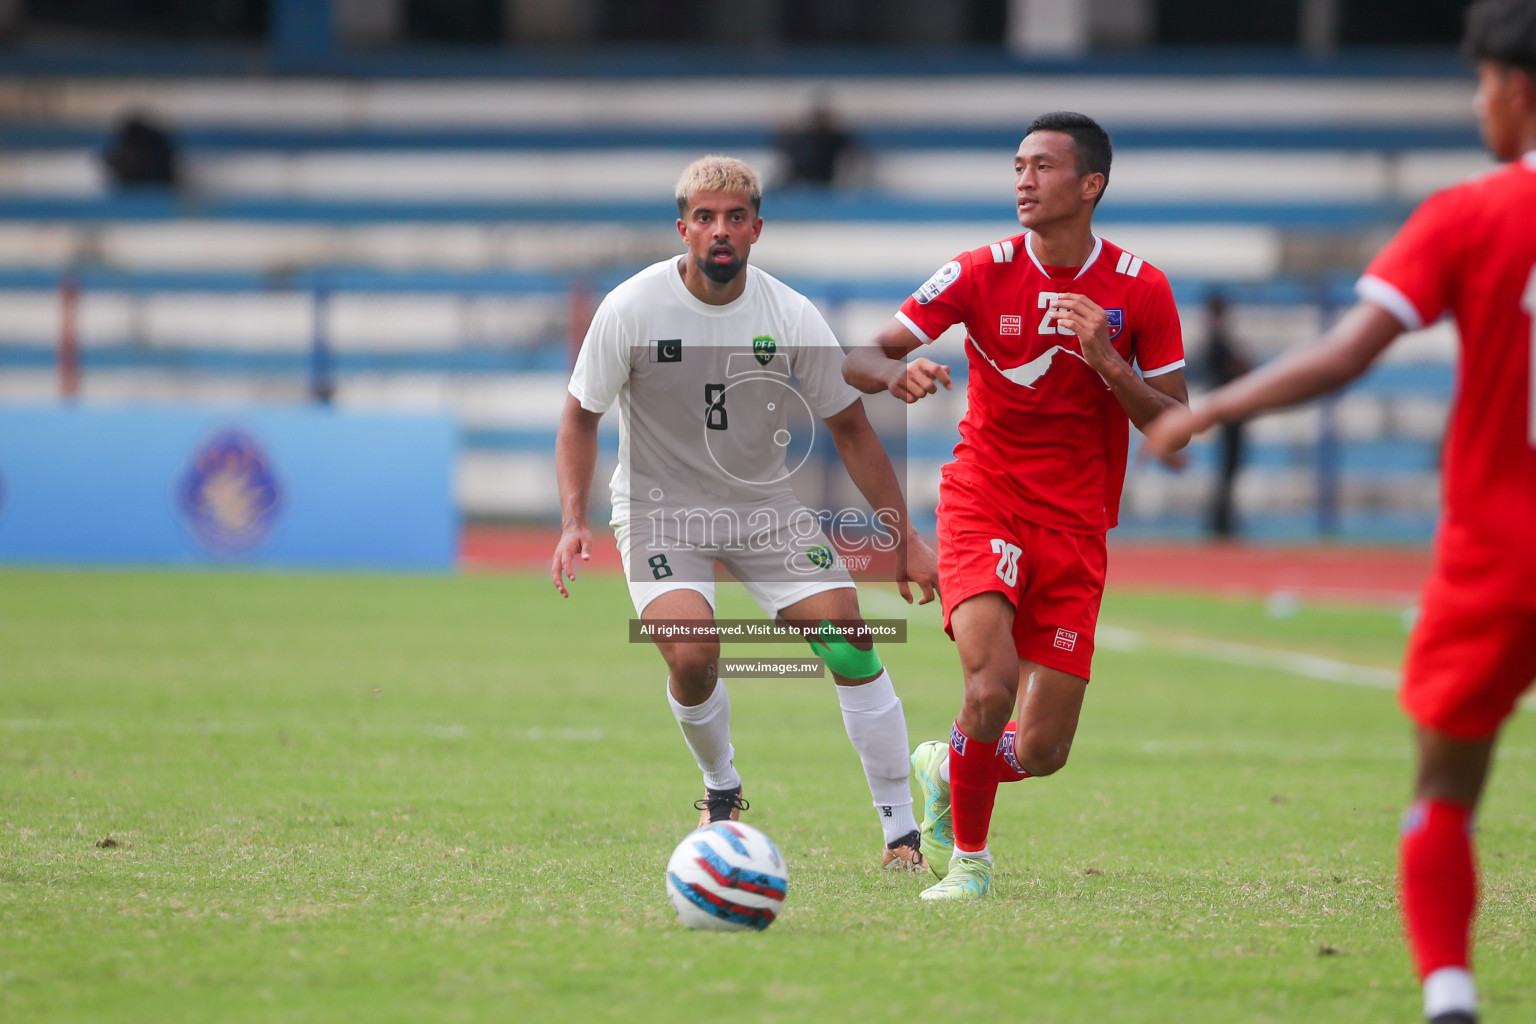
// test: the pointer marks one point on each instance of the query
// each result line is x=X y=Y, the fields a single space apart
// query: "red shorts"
x=1472 y=654
x=1054 y=580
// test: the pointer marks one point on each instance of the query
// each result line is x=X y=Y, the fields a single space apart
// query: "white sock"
x=878 y=730
x=707 y=730
x=1448 y=990
x=944 y=768
x=981 y=854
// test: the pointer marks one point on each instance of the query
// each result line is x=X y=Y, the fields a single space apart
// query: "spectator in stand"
x=1224 y=363
x=142 y=154
x=819 y=152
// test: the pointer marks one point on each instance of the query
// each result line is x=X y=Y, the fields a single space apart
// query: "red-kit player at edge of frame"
x=1055 y=318
x=1469 y=251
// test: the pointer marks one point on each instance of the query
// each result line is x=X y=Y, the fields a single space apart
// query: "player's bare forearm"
x=575 y=462
x=1145 y=399
x=870 y=469
x=870 y=370
x=1343 y=354
x=881 y=365
x=868 y=463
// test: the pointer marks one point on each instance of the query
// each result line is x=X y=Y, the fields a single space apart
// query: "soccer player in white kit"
x=720 y=371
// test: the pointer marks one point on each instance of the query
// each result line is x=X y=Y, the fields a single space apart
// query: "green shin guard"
x=842 y=657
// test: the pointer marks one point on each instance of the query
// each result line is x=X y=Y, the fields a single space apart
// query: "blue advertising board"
x=226 y=485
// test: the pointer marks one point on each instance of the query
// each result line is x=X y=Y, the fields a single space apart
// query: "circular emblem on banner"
x=228 y=496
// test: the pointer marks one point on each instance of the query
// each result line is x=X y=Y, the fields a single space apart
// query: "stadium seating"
x=441 y=237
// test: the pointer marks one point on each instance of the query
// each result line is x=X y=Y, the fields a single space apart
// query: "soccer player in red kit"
x=1055 y=319
x=1469 y=251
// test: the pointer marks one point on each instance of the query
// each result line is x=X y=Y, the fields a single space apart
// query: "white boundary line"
x=1226 y=652
x=1223 y=652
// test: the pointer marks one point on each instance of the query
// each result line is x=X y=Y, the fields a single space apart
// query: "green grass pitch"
x=451 y=799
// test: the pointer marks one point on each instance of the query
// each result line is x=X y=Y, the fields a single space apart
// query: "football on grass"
x=727 y=877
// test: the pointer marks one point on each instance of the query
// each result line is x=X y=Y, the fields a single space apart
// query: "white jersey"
x=718 y=405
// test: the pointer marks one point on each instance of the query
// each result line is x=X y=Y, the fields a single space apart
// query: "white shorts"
x=777 y=550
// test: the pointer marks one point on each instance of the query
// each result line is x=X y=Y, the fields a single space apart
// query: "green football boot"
x=969 y=878
x=937 y=839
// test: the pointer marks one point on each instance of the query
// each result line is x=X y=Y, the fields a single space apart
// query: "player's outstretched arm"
x=575 y=461
x=870 y=469
x=880 y=365
x=1343 y=354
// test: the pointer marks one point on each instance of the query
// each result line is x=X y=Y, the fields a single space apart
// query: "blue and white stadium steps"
x=441 y=235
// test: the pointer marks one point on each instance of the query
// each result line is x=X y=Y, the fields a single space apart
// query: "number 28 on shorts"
x=1007 y=561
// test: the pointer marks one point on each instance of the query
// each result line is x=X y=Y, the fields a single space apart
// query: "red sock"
x=1008 y=769
x=972 y=789
x=1439 y=884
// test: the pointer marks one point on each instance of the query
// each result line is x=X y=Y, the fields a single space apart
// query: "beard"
x=720 y=273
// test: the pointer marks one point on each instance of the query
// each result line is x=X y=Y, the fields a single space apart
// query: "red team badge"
x=1010 y=324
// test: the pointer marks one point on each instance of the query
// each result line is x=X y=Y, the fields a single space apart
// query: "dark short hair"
x=1503 y=31
x=1090 y=142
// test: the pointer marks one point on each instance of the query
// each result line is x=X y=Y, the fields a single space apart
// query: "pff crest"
x=820 y=556
x=763 y=348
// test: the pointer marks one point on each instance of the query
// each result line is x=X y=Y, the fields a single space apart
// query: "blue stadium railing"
x=1278 y=291
x=303 y=279
x=1377 y=458
x=21 y=136
x=787 y=205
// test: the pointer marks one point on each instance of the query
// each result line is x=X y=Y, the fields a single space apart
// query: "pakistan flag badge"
x=763 y=347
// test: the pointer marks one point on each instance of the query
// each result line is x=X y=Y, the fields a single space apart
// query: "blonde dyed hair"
x=716 y=173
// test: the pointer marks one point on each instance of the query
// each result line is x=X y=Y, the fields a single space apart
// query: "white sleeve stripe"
x=1135 y=267
x=1007 y=251
x=913 y=328
x=997 y=253
x=1177 y=364
x=1385 y=294
x=1125 y=261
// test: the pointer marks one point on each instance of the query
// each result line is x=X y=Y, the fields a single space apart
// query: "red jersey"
x=1471 y=251
x=1042 y=431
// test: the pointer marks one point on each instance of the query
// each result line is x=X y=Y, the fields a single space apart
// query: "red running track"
x=1391 y=575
